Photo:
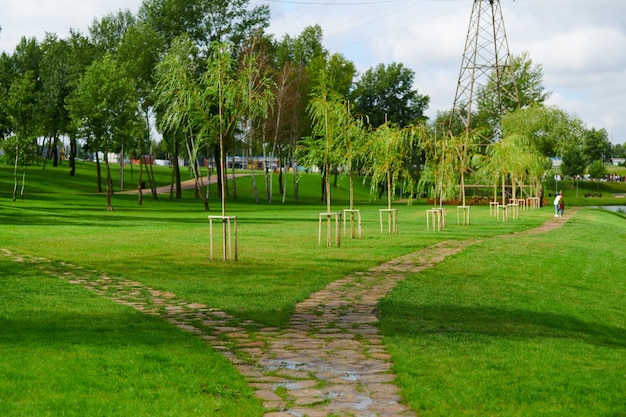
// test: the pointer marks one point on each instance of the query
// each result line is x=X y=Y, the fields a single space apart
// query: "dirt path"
x=185 y=185
x=330 y=360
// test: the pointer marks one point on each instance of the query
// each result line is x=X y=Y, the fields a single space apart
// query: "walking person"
x=557 y=200
x=561 y=207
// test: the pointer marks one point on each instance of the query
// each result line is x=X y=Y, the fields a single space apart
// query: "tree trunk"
x=109 y=182
x=179 y=193
x=73 y=152
x=234 y=180
x=172 y=181
x=281 y=189
x=150 y=172
x=17 y=149
x=48 y=153
x=503 y=189
x=255 y=190
x=389 y=190
x=55 y=154
x=139 y=188
x=218 y=168
x=295 y=180
x=351 y=188
x=462 y=188
x=98 y=173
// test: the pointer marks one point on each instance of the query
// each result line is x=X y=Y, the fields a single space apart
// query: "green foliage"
x=390 y=150
x=326 y=147
x=104 y=104
x=204 y=22
x=527 y=90
x=573 y=162
x=385 y=94
x=596 y=145
x=550 y=130
x=597 y=169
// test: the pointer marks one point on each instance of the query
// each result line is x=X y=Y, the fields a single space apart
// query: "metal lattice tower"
x=486 y=54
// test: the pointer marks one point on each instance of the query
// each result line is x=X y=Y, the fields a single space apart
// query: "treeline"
x=217 y=84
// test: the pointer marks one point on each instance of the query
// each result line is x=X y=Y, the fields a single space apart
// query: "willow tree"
x=237 y=93
x=326 y=147
x=464 y=146
x=439 y=175
x=390 y=150
x=211 y=106
x=516 y=159
x=178 y=105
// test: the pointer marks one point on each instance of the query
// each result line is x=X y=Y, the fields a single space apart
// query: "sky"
x=580 y=44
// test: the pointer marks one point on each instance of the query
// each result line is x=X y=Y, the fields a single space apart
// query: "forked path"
x=329 y=361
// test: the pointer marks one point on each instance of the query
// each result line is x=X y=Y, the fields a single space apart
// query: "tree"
x=139 y=51
x=390 y=151
x=236 y=94
x=104 y=108
x=494 y=101
x=81 y=54
x=549 y=129
x=597 y=169
x=573 y=162
x=298 y=63
x=20 y=108
x=56 y=86
x=385 y=94
x=204 y=21
x=596 y=145
x=211 y=107
x=465 y=146
x=618 y=150
x=325 y=147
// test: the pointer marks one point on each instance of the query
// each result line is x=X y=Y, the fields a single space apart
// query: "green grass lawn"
x=529 y=325
x=67 y=352
x=523 y=326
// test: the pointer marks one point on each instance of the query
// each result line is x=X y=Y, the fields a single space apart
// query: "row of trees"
x=218 y=85
x=100 y=90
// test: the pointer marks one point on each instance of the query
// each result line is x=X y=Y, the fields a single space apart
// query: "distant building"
x=556 y=162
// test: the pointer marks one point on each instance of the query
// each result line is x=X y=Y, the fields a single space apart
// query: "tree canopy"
x=386 y=94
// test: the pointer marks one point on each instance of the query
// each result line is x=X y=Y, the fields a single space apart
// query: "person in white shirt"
x=558 y=198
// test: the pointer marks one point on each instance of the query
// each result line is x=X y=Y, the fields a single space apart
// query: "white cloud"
x=579 y=43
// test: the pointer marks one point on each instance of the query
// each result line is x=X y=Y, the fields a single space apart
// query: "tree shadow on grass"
x=411 y=320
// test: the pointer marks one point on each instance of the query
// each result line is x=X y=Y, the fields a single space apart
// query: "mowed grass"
x=164 y=243
x=66 y=352
x=522 y=326
x=469 y=337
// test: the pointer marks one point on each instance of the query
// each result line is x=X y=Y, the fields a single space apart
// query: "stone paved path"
x=330 y=360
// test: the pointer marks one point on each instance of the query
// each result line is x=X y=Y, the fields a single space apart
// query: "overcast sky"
x=580 y=44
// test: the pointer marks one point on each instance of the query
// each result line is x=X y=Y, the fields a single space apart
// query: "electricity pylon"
x=486 y=56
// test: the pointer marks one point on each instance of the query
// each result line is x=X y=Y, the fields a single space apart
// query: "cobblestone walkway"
x=330 y=360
